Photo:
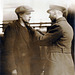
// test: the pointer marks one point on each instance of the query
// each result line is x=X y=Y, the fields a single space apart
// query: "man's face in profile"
x=52 y=15
x=26 y=16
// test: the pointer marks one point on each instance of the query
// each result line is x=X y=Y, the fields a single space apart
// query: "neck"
x=22 y=22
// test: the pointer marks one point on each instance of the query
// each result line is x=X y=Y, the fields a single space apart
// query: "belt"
x=56 y=49
x=61 y=51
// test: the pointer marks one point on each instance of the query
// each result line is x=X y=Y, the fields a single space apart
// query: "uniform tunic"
x=57 y=42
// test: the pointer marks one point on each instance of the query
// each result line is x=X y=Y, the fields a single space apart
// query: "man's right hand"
x=14 y=72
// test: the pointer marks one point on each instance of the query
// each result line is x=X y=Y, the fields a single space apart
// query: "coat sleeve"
x=38 y=34
x=51 y=36
x=9 y=39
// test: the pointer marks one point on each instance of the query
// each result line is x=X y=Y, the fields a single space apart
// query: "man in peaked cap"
x=57 y=41
x=21 y=55
x=60 y=8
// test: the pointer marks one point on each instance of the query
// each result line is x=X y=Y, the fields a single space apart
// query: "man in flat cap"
x=58 y=41
x=22 y=56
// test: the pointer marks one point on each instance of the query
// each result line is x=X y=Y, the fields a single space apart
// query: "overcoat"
x=57 y=42
x=20 y=52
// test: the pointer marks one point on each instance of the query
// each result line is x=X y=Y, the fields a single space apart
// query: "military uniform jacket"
x=57 y=42
x=59 y=36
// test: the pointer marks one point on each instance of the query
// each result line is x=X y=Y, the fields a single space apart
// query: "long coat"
x=57 y=42
x=20 y=52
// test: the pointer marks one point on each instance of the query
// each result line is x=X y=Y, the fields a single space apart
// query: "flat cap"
x=52 y=7
x=23 y=9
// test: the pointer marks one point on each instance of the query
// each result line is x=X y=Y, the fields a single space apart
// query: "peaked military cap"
x=52 y=7
x=23 y=9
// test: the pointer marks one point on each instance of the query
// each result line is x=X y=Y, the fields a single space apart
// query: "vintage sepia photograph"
x=37 y=37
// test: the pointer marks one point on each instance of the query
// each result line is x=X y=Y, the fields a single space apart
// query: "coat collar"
x=17 y=23
x=61 y=19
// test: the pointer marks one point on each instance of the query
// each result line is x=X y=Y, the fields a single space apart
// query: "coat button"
x=23 y=54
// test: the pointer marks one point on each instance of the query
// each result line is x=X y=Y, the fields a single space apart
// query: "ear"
x=65 y=13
